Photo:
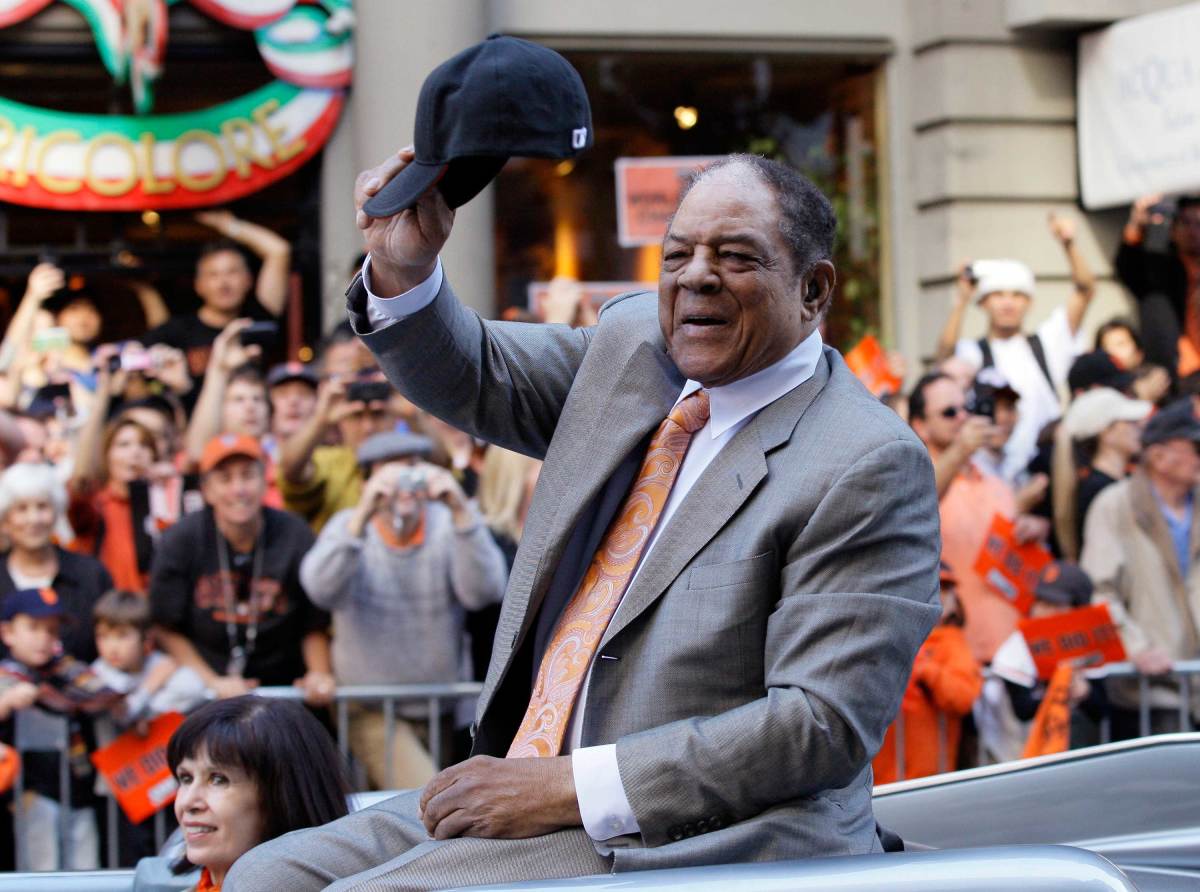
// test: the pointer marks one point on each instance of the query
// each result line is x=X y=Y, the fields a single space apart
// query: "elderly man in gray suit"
x=705 y=671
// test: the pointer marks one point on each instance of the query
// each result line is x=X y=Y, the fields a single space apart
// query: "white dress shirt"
x=603 y=804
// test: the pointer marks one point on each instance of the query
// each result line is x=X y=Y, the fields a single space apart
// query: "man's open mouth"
x=702 y=320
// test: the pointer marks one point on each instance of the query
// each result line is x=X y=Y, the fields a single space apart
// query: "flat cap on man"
x=391 y=445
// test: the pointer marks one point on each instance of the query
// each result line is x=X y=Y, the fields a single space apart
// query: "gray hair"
x=30 y=480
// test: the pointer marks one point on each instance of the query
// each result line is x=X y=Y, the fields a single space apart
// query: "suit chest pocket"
x=755 y=570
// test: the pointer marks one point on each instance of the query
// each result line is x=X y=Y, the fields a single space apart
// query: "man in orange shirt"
x=969 y=497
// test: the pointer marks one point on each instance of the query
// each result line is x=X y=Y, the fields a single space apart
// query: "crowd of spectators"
x=1083 y=454
x=183 y=520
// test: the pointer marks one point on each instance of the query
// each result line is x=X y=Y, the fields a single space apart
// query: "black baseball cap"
x=1063 y=583
x=501 y=98
x=1175 y=422
x=35 y=602
x=292 y=371
x=1097 y=369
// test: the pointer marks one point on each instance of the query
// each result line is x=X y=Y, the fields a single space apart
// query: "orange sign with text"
x=648 y=191
x=136 y=768
x=869 y=362
x=1011 y=569
x=1085 y=636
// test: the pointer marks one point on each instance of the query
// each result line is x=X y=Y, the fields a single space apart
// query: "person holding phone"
x=318 y=480
x=1159 y=262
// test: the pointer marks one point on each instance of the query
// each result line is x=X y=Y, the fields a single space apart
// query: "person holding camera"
x=398 y=572
x=970 y=495
x=318 y=480
x=1158 y=260
x=1035 y=364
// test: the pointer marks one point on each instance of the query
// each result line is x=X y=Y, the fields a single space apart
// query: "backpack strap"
x=986 y=349
x=1039 y=354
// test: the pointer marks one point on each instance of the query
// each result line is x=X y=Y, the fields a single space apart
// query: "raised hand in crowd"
x=964 y=291
x=441 y=486
x=404 y=248
x=44 y=281
x=169 y=365
x=271 y=287
x=1064 y=229
x=228 y=354
x=375 y=495
x=972 y=436
x=566 y=303
x=1142 y=213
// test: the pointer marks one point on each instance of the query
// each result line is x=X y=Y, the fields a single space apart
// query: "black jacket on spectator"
x=187 y=595
x=80 y=583
x=1159 y=282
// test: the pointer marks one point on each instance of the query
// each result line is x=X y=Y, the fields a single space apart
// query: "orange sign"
x=1083 y=637
x=1011 y=569
x=1051 y=730
x=648 y=192
x=595 y=293
x=136 y=768
x=870 y=365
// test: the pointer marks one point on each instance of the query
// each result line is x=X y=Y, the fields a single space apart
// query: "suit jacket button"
x=675 y=834
x=702 y=826
x=715 y=823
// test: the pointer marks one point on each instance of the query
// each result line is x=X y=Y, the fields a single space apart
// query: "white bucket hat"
x=1001 y=275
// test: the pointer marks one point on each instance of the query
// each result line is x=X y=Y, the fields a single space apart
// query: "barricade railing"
x=39 y=731
x=1181 y=671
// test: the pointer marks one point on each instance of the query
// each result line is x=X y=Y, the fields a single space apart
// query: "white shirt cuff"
x=603 y=804
x=383 y=311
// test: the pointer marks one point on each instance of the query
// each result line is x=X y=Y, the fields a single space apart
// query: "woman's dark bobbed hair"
x=280 y=744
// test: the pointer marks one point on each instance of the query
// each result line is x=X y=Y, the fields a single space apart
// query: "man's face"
x=945 y=414
x=729 y=300
x=235 y=489
x=32 y=640
x=223 y=281
x=82 y=321
x=292 y=402
x=1006 y=310
x=245 y=409
x=1175 y=462
x=364 y=419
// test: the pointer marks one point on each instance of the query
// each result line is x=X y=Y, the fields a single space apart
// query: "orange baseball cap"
x=224 y=446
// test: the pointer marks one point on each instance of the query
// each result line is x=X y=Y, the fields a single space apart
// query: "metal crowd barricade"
x=38 y=731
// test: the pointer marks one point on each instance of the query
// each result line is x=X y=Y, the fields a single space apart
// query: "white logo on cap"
x=579 y=138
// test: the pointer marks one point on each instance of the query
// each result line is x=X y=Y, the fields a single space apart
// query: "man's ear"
x=818 y=290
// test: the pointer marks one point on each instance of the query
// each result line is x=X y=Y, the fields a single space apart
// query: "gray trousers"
x=386 y=847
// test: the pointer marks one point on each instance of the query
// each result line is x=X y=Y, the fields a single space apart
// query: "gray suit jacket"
x=758 y=658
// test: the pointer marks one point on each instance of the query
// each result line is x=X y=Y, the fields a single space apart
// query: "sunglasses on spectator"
x=952 y=411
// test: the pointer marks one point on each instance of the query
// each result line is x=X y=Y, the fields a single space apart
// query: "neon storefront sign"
x=71 y=161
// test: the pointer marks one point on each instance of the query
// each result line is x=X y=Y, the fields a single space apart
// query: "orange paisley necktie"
x=569 y=654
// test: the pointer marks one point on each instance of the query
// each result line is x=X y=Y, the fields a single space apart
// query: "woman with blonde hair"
x=1097 y=440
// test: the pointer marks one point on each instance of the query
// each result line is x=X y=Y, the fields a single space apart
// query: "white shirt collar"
x=733 y=403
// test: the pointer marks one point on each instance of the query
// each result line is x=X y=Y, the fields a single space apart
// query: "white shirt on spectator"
x=603 y=805
x=1040 y=403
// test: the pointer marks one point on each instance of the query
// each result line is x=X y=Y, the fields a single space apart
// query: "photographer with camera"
x=970 y=495
x=1159 y=262
x=318 y=480
x=1035 y=364
x=398 y=572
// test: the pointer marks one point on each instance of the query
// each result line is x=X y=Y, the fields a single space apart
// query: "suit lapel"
x=716 y=496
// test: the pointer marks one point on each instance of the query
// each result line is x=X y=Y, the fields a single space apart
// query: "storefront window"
x=817 y=114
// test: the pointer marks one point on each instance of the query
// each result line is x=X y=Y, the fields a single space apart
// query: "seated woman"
x=249 y=769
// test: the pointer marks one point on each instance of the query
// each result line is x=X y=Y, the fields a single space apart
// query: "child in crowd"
x=152 y=683
x=945 y=682
x=1013 y=693
x=37 y=674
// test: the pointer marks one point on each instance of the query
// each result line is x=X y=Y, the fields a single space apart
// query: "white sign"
x=1139 y=108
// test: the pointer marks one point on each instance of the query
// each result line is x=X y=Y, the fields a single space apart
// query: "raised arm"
x=88 y=460
x=271 y=248
x=154 y=308
x=503 y=382
x=964 y=287
x=227 y=355
x=44 y=280
x=1082 y=277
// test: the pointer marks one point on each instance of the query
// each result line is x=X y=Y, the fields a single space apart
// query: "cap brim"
x=459 y=181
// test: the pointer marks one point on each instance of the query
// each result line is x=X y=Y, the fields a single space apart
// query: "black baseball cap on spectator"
x=1098 y=369
x=501 y=98
x=35 y=602
x=292 y=371
x=1064 y=584
x=1175 y=422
